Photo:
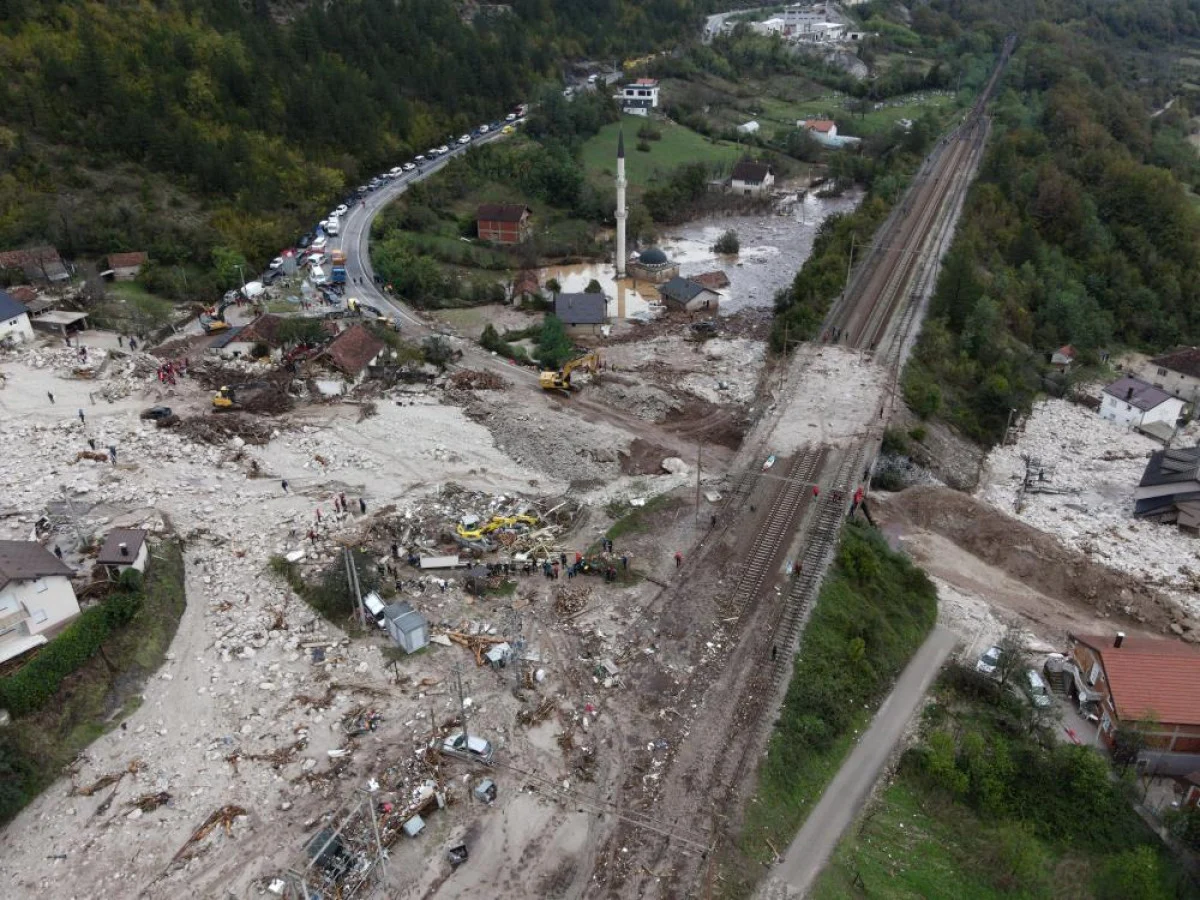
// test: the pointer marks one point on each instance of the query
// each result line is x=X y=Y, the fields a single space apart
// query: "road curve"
x=845 y=795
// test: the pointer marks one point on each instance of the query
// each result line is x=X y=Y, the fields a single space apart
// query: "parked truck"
x=339 y=274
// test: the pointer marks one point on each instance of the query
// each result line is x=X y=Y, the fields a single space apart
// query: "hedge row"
x=36 y=683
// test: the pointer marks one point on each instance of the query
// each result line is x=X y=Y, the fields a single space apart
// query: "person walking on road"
x=81 y=419
x=678 y=559
x=51 y=396
x=362 y=506
x=284 y=483
x=112 y=453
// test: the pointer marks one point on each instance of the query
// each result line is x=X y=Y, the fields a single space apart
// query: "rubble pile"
x=643 y=400
x=1093 y=466
x=220 y=429
x=729 y=371
x=475 y=380
x=562 y=446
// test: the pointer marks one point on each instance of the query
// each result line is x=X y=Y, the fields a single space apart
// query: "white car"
x=276 y=263
x=511 y=117
x=433 y=152
x=465 y=139
x=408 y=167
x=396 y=171
x=342 y=209
x=319 y=245
x=988 y=662
x=443 y=149
x=484 y=129
x=419 y=159
x=469 y=747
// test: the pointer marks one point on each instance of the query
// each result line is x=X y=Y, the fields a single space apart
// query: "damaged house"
x=351 y=354
x=1169 y=492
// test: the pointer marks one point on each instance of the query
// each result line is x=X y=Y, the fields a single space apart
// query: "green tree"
x=229 y=266
x=554 y=346
x=1022 y=864
x=1135 y=874
x=593 y=287
x=727 y=244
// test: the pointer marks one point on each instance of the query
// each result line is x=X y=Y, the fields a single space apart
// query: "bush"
x=727 y=244
x=643 y=146
x=649 y=132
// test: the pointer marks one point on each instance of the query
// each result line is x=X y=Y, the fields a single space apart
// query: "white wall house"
x=124 y=548
x=749 y=178
x=1132 y=403
x=638 y=98
x=14 y=321
x=35 y=596
x=1177 y=373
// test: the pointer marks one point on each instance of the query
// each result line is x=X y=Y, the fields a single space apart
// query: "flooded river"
x=773 y=248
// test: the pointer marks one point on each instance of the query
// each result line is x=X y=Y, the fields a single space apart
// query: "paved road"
x=844 y=797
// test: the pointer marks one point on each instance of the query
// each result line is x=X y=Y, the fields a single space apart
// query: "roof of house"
x=821 y=125
x=23 y=293
x=646 y=82
x=264 y=329
x=124 y=260
x=1137 y=393
x=26 y=560
x=353 y=349
x=502 y=212
x=1150 y=676
x=749 y=170
x=1185 y=361
x=714 y=281
x=10 y=308
x=16 y=259
x=1178 y=466
x=225 y=338
x=1065 y=350
x=683 y=290
x=110 y=552
x=581 y=309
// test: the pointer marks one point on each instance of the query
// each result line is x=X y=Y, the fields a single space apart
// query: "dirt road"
x=844 y=797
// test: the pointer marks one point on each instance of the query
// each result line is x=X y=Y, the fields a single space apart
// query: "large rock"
x=674 y=465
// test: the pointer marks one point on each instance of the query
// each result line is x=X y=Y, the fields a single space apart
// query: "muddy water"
x=773 y=248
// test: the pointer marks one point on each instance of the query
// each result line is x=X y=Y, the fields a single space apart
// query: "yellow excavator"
x=560 y=380
x=479 y=531
x=214 y=321
x=227 y=396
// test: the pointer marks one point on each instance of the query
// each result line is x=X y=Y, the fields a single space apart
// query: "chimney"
x=1120 y=639
x=124 y=549
x=1128 y=393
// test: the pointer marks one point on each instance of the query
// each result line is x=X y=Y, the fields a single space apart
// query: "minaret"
x=621 y=204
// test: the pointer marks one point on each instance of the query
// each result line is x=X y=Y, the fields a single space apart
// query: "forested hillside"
x=1080 y=229
x=180 y=126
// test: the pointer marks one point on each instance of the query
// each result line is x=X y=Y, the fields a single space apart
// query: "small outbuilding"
x=1063 y=357
x=751 y=127
x=408 y=628
x=689 y=296
x=124 y=548
x=582 y=311
x=14 y=321
x=125 y=266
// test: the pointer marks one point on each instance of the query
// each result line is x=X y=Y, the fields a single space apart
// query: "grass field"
x=679 y=145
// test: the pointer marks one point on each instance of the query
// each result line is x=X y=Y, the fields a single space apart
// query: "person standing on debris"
x=81 y=419
x=312 y=536
x=58 y=551
x=555 y=569
x=51 y=396
x=92 y=444
x=816 y=491
x=133 y=343
x=112 y=453
x=120 y=340
x=318 y=515
x=284 y=482
x=362 y=506
x=562 y=557
x=678 y=559
x=624 y=562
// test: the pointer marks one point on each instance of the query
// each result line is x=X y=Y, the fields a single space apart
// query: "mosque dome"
x=653 y=257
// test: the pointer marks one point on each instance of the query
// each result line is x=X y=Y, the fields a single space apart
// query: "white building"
x=750 y=127
x=639 y=98
x=773 y=25
x=35 y=596
x=751 y=178
x=14 y=321
x=1177 y=373
x=124 y=548
x=1132 y=403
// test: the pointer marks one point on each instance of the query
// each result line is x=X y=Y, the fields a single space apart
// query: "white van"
x=318 y=276
x=374 y=606
x=333 y=227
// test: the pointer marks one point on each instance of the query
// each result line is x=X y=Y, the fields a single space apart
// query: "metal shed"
x=408 y=628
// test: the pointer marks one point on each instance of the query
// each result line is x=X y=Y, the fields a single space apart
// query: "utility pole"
x=352 y=581
x=699 y=447
x=462 y=703
x=850 y=264
x=81 y=543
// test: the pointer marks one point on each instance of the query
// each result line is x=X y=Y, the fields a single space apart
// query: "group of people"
x=341 y=508
x=169 y=370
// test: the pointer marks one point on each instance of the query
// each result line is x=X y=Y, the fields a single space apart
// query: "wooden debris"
x=151 y=802
x=476 y=643
x=475 y=380
x=570 y=601
x=537 y=715
x=88 y=454
x=223 y=816
x=135 y=766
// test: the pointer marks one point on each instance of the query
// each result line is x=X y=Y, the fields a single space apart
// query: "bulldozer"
x=214 y=321
x=560 y=380
x=226 y=397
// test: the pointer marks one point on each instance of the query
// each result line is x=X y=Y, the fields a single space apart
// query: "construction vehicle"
x=560 y=380
x=471 y=531
x=227 y=396
x=213 y=320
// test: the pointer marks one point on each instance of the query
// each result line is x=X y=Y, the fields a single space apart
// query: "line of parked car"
x=310 y=247
x=1028 y=684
